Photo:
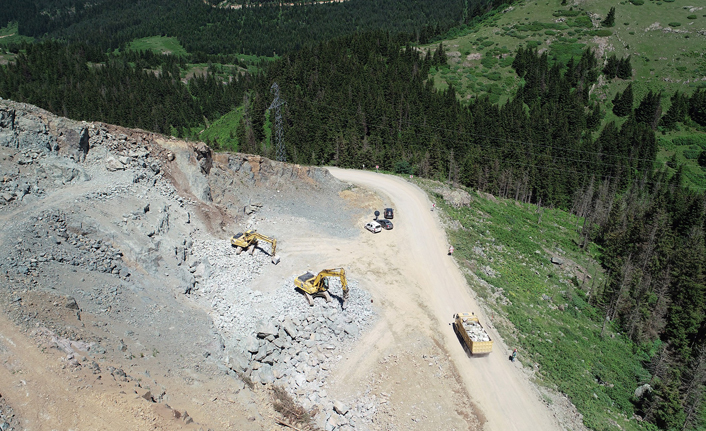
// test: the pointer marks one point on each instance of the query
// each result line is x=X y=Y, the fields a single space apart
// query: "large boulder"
x=266 y=329
x=238 y=360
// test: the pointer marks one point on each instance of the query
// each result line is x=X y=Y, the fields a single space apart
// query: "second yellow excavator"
x=244 y=240
x=317 y=285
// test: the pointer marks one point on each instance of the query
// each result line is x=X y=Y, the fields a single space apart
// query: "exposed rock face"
x=26 y=127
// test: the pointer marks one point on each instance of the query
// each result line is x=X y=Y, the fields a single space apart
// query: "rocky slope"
x=115 y=254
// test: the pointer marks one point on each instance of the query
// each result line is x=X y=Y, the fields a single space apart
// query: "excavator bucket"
x=275 y=259
x=345 y=300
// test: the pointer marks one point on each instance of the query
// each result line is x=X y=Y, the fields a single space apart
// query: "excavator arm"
x=336 y=272
x=244 y=240
x=272 y=241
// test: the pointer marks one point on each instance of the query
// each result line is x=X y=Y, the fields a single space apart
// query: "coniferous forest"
x=261 y=30
x=366 y=99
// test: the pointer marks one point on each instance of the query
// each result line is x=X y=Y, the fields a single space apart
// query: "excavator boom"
x=244 y=240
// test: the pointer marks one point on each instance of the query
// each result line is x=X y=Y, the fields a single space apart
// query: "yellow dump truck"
x=472 y=333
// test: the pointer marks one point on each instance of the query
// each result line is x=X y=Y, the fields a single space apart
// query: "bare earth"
x=421 y=288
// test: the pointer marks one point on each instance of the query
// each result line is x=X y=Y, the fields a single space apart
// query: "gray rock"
x=300 y=380
x=238 y=361
x=266 y=374
x=251 y=344
x=351 y=329
x=261 y=354
x=557 y=260
x=641 y=390
x=340 y=408
x=290 y=328
x=266 y=329
x=71 y=303
x=112 y=164
x=279 y=370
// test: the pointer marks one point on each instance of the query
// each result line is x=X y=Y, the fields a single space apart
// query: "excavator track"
x=309 y=298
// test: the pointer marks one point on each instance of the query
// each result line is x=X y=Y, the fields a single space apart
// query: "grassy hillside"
x=545 y=309
x=664 y=39
x=158 y=44
x=9 y=34
x=221 y=134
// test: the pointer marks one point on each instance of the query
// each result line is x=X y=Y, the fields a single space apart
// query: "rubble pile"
x=276 y=337
x=475 y=331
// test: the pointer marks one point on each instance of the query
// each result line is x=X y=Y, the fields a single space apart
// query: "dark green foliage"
x=600 y=33
x=403 y=167
x=620 y=68
x=610 y=70
x=57 y=77
x=650 y=110
x=622 y=103
x=677 y=111
x=609 y=20
x=624 y=68
x=262 y=30
x=702 y=159
x=697 y=106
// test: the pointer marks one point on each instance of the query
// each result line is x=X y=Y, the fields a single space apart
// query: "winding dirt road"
x=499 y=389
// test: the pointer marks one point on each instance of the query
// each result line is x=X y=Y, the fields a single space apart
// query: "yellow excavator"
x=245 y=240
x=317 y=285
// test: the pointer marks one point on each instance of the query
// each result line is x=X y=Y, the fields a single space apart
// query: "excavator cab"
x=248 y=240
x=318 y=285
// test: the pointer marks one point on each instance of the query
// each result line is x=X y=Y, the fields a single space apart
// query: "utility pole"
x=276 y=105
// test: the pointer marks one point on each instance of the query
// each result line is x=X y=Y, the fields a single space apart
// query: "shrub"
x=507 y=61
x=696 y=141
x=691 y=154
x=702 y=159
x=631 y=32
x=494 y=76
x=487 y=43
x=403 y=167
x=550 y=32
x=489 y=62
x=681 y=68
x=600 y=33
x=674 y=24
x=637 y=2
x=691 y=17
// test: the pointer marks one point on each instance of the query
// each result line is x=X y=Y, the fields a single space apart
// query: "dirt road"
x=497 y=386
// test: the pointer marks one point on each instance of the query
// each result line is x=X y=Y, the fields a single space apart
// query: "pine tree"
x=650 y=110
x=697 y=107
x=622 y=103
x=702 y=159
x=611 y=68
x=625 y=68
x=676 y=112
x=609 y=20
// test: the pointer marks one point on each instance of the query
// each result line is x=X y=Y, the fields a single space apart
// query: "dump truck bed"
x=473 y=334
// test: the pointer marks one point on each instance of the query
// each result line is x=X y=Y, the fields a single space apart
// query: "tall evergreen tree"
x=622 y=103
x=611 y=68
x=697 y=106
x=625 y=68
x=677 y=111
x=609 y=20
x=650 y=110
